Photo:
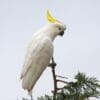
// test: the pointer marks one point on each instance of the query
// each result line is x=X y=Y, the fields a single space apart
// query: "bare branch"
x=61 y=76
x=53 y=64
x=62 y=81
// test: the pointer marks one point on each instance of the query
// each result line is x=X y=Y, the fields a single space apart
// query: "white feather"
x=38 y=56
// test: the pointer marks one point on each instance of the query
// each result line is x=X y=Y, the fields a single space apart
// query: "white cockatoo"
x=39 y=52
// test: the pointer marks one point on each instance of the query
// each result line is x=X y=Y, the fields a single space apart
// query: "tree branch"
x=62 y=81
x=61 y=76
x=53 y=64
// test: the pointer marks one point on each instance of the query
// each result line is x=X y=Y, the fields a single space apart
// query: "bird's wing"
x=37 y=58
x=33 y=46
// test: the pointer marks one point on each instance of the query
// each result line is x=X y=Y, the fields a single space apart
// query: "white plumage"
x=39 y=53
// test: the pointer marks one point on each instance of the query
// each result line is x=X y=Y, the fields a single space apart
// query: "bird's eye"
x=59 y=28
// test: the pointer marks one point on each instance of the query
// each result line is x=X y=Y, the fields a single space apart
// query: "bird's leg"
x=31 y=97
x=52 y=63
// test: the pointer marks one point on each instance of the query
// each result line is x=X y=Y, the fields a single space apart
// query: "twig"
x=62 y=81
x=61 y=76
x=60 y=88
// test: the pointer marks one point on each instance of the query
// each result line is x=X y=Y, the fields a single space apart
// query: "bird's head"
x=56 y=26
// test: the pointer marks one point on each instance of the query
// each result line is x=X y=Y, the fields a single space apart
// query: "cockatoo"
x=40 y=51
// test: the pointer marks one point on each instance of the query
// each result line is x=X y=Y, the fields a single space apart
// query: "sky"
x=77 y=50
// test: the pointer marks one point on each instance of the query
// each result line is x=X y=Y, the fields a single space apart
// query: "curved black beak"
x=61 y=33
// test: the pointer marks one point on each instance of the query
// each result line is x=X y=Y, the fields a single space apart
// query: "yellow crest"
x=50 y=18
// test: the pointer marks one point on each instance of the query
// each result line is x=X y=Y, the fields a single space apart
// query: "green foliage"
x=46 y=97
x=82 y=88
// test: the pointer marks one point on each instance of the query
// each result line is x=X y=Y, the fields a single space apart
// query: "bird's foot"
x=32 y=97
x=52 y=64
